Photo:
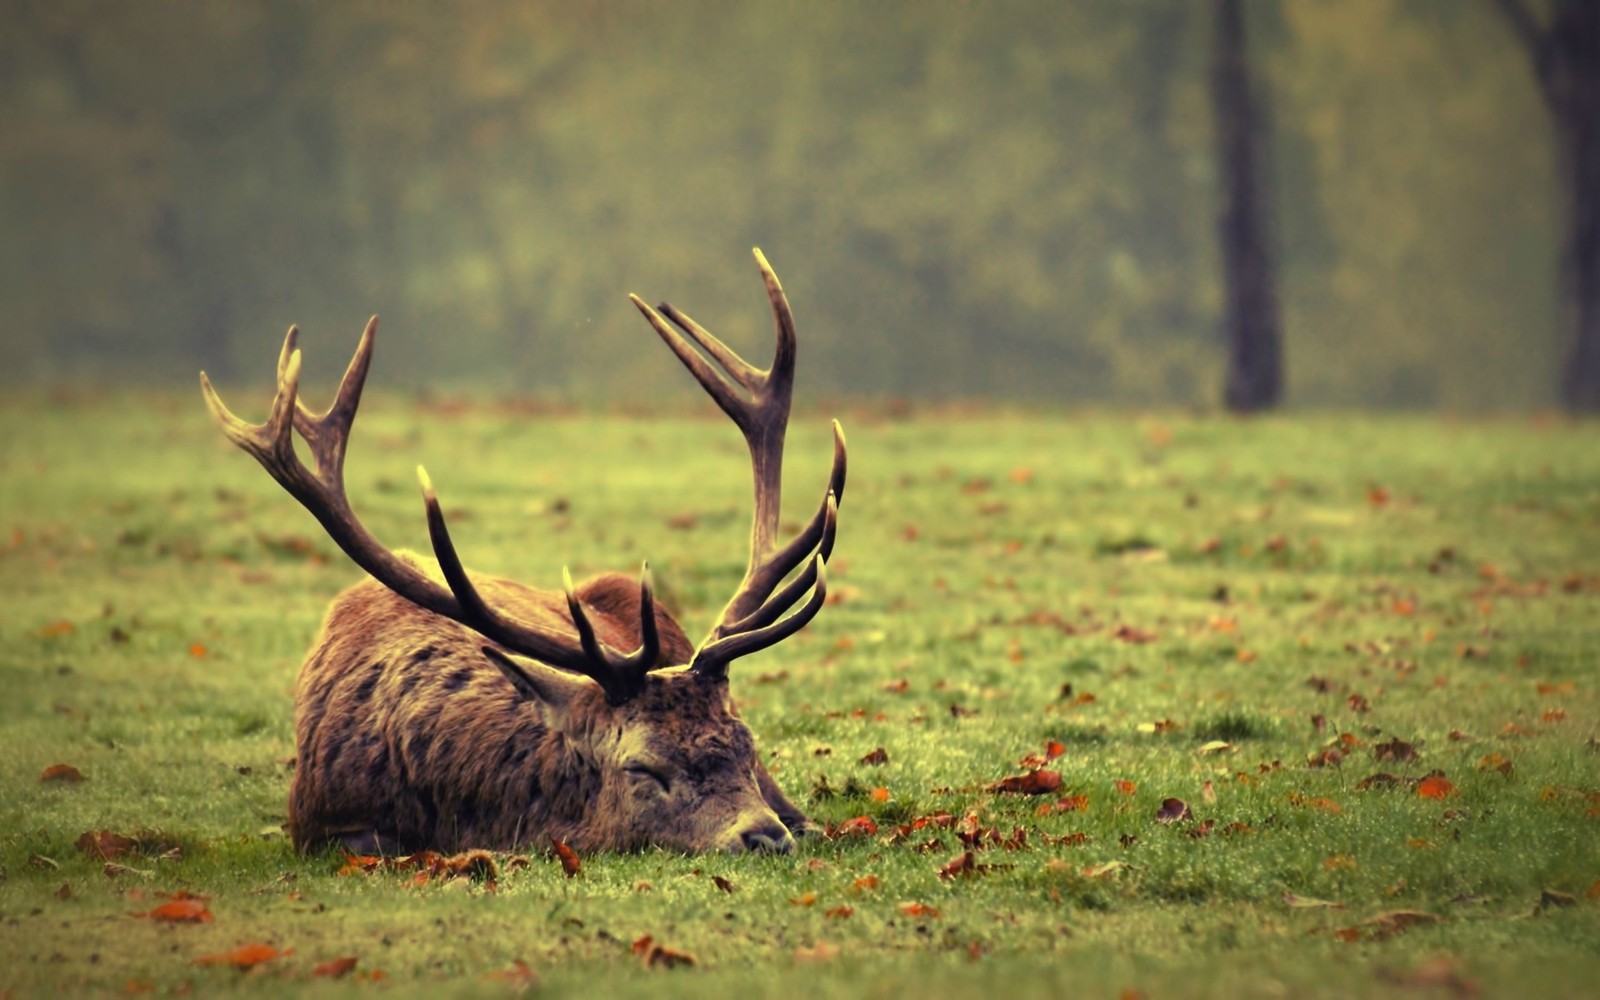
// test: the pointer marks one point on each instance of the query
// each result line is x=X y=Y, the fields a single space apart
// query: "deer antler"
x=753 y=619
x=323 y=494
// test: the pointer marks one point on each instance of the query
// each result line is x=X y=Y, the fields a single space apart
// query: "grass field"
x=1254 y=618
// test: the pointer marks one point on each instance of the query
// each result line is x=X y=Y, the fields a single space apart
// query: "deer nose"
x=768 y=836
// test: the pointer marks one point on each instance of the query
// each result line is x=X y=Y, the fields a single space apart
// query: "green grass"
x=1429 y=580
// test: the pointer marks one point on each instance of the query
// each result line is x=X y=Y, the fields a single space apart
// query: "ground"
x=1321 y=693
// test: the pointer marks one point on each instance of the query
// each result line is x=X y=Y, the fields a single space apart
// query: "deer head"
x=631 y=733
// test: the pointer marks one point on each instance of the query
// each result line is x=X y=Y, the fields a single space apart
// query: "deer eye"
x=640 y=772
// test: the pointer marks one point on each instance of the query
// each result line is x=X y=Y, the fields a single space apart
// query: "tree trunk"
x=1566 y=62
x=1251 y=319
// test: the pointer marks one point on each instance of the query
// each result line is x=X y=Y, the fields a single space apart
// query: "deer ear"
x=536 y=681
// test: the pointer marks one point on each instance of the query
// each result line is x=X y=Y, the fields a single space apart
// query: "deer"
x=449 y=710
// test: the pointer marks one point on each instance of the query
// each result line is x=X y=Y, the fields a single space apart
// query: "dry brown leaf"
x=1031 y=783
x=63 y=773
x=335 y=968
x=569 y=858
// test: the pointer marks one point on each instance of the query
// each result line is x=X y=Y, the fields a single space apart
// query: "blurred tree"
x=1251 y=318
x=1565 y=52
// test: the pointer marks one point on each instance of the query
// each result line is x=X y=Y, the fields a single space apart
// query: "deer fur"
x=409 y=736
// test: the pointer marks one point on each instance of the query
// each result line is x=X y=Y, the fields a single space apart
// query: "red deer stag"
x=413 y=731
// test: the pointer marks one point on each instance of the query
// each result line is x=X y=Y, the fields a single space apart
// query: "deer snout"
x=766 y=834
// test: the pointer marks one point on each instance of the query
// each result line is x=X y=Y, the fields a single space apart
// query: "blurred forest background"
x=1007 y=200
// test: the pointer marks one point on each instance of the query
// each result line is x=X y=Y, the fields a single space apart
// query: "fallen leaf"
x=1435 y=787
x=247 y=957
x=64 y=773
x=105 y=845
x=656 y=956
x=569 y=858
x=1105 y=869
x=919 y=910
x=1072 y=803
x=1126 y=787
x=804 y=899
x=1320 y=804
x=57 y=628
x=1396 y=750
x=180 y=911
x=1496 y=762
x=335 y=968
x=962 y=864
x=1136 y=636
x=519 y=977
x=723 y=884
x=1031 y=783
x=865 y=883
x=1215 y=746
x=1173 y=811
x=860 y=826
x=840 y=912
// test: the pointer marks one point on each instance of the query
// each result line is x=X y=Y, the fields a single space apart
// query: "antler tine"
x=761 y=579
x=621 y=676
x=770 y=609
x=328 y=433
x=713 y=658
x=322 y=493
x=752 y=618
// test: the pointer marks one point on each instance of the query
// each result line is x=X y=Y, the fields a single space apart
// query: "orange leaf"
x=1032 y=783
x=180 y=911
x=61 y=772
x=1247 y=656
x=1126 y=787
x=919 y=910
x=804 y=899
x=336 y=968
x=1435 y=787
x=843 y=912
x=880 y=794
x=197 y=650
x=569 y=857
x=354 y=863
x=1054 y=749
x=247 y=957
x=57 y=628
x=1554 y=715
x=861 y=826
x=865 y=883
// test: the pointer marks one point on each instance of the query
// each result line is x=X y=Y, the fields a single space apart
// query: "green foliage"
x=964 y=199
x=1403 y=579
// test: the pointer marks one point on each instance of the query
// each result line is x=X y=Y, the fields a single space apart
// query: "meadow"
x=1321 y=692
